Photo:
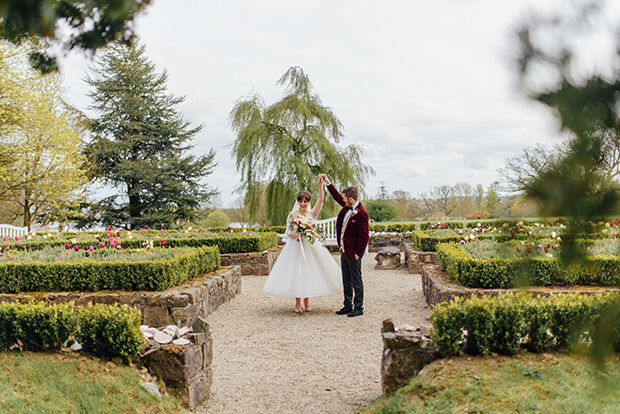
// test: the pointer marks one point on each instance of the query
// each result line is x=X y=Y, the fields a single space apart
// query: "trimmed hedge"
x=507 y=322
x=90 y=275
x=109 y=330
x=428 y=243
x=226 y=244
x=535 y=271
x=106 y=330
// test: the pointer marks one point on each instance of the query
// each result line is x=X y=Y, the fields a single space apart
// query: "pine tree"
x=141 y=142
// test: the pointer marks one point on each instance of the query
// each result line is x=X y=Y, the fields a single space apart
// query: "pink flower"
x=118 y=234
x=162 y=226
x=118 y=247
x=162 y=242
x=92 y=248
x=101 y=244
x=112 y=243
x=613 y=233
x=76 y=248
x=67 y=246
x=16 y=238
x=4 y=238
x=462 y=241
x=146 y=226
x=8 y=255
x=109 y=228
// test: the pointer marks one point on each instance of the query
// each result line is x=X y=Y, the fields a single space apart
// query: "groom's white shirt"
x=345 y=222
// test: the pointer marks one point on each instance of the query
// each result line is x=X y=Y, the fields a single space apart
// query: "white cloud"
x=427 y=88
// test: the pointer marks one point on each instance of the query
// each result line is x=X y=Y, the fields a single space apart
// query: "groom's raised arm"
x=335 y=194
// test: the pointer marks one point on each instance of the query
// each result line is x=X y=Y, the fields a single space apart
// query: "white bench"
x=8 y=230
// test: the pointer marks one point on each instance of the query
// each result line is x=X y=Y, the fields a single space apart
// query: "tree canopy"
x=140 y=144
x=287 y=144
x=91 y=24
x=40 y=144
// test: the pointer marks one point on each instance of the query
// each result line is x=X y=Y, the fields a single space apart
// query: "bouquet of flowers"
x=305 y=227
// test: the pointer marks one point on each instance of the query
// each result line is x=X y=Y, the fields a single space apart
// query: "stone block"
x=247 y=269
x=156 y=316
x=388 y=258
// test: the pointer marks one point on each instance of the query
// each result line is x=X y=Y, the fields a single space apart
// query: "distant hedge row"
x=507 y=322
x=106 y=330
x=90 y=275
x=534 y=271
x=226 y=244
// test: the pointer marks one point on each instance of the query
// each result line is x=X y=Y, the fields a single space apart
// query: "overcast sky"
x=427 y=88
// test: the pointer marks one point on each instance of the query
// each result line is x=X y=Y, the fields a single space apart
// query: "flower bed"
x=508 y=322
x=226 y=242
x=62 y=269
x=489 y=264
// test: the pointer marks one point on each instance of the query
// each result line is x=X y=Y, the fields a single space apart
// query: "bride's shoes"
x=308 y=308
x=299 y=311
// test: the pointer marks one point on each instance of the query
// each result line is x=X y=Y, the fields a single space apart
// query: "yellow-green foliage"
x=110 y=330
x=503 y=323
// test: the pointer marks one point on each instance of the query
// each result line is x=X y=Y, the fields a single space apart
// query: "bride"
x=304 y=269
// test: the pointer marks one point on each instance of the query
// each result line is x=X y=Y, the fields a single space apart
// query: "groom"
x=352 y=234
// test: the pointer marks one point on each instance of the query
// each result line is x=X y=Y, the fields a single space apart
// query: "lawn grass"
x=44 y=383
x=527 y=383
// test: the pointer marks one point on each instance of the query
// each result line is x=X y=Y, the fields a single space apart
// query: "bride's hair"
x=304 y=195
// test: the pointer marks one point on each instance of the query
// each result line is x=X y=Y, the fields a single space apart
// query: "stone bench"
x=388 y=258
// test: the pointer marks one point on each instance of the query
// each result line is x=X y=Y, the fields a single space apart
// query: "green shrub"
x=381 y=210
x=217 y=218
x=503 y=323
x=525 y=271
x=445 y=225
x=110 y=330
x=377 y=227
x=35 y=326
x=401 y=227
x=90 y=275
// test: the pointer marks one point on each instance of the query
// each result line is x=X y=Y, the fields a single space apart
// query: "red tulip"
x=518 y=249
x=76 y=248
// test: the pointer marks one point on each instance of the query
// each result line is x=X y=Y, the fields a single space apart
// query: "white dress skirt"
x=304 y=270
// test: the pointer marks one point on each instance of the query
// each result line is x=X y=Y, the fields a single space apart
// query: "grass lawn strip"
x=549 y=383
x=71 y=383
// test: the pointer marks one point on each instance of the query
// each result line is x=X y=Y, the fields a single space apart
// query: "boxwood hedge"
x=90 y=275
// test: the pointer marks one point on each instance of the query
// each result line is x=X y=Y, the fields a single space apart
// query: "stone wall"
x=440 y=287
x=255 y=263
x=405 y=352
x=415 y=259
x=180 y=305
x=379 y=240
x=186 y=370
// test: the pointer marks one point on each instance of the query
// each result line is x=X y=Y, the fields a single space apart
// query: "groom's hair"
x=351 y=192
x=304 y=195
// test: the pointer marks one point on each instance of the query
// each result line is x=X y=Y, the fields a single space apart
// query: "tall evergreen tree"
x=140 y=144
x=287 y=144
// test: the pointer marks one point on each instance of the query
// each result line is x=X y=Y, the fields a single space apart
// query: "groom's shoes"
x=356 y=312
x=344 y=311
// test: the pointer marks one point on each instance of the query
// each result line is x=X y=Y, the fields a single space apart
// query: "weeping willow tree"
x=281 y=148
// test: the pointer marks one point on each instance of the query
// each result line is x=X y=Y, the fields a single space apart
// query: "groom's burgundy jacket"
x=356 y=234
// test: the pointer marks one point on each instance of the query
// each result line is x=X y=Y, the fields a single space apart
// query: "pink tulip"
x=112 y=243
x=109 y=228
x=162 y=242
x=67 y=246
x=92 y=248
x=8 y=255
x=16 y=238
x=118 y=234
x=4 y=238
x=146 y=226
x=101 y=244
x=76 y=248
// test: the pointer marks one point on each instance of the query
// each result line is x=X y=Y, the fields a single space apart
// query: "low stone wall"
x=405 y=352
x=186 y=370
x=380 y=240
x=255 y=263
x=439 y=287
x=415 y=259
x=180 y=305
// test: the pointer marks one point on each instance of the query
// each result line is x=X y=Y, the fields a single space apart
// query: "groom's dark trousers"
x=352 y=282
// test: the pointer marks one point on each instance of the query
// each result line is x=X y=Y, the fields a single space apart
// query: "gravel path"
x=267 y=359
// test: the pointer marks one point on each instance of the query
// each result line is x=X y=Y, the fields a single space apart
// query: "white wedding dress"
x=304 y=270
